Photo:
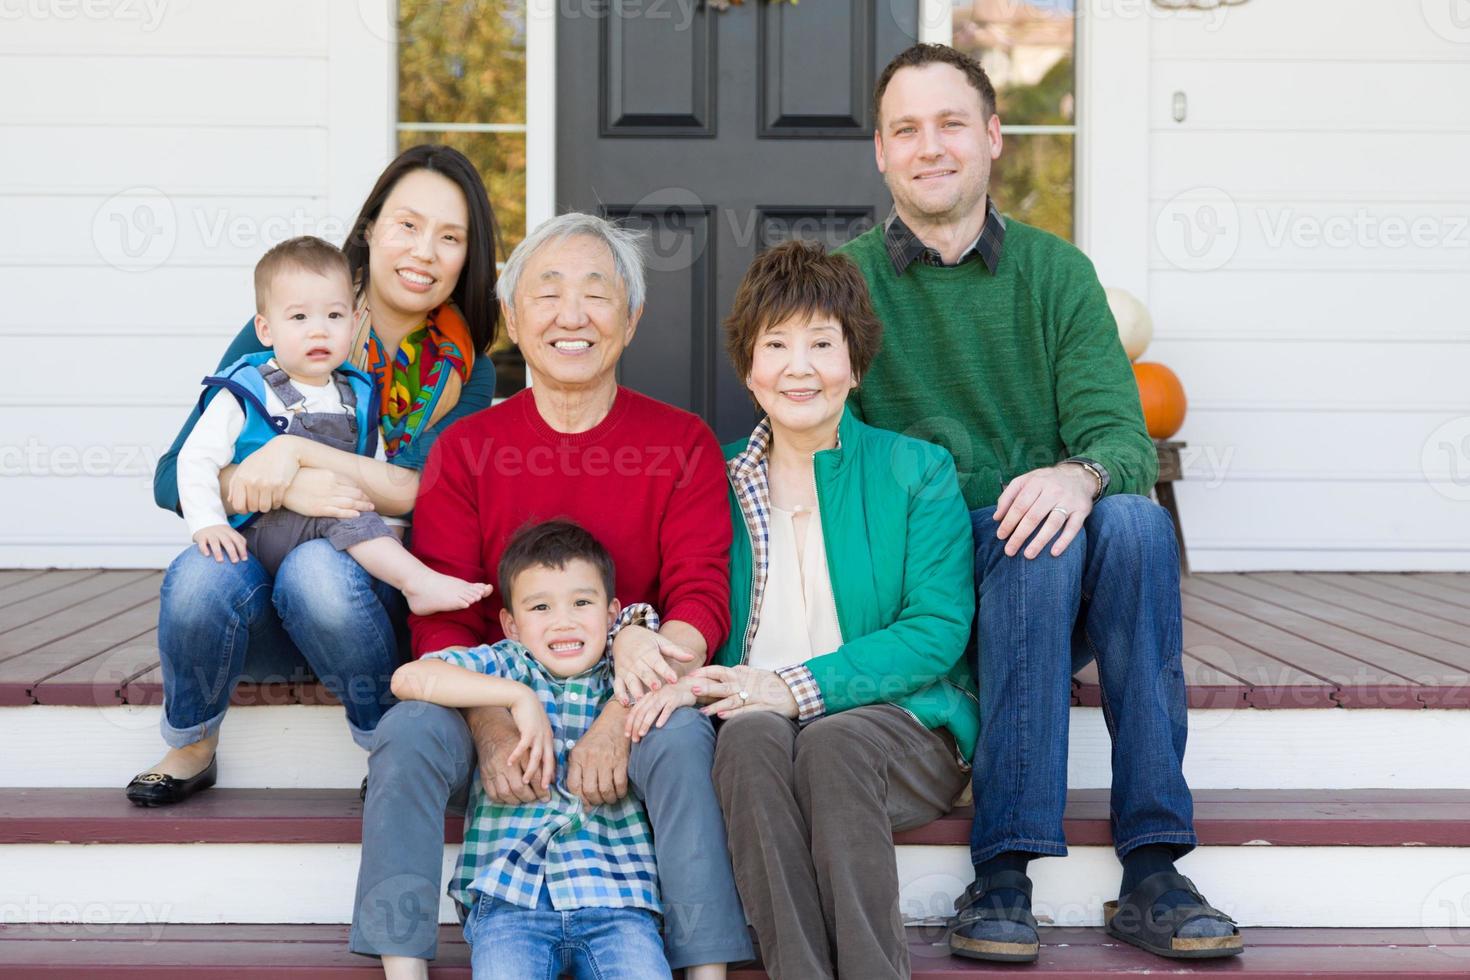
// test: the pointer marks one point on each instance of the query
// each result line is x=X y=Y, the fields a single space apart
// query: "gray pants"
x=811 y=814
x=272 y=535
x=424 y=757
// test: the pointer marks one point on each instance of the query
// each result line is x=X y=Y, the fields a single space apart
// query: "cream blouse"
x=798 y=614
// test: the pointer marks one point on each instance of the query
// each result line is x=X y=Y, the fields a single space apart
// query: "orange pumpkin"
x=1162 y=397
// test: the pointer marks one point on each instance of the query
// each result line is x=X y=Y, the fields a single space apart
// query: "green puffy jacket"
x=901 y=558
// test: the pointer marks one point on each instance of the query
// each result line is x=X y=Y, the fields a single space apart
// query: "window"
x=462 y=82
x=1027 y=47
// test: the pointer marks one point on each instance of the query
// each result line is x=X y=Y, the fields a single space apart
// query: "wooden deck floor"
x=1266 y=640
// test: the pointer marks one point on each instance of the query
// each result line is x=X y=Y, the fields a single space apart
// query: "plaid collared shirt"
x=905 y=248
x=586 y=858
x=752 y=485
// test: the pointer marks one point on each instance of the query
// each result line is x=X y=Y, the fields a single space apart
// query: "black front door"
x=720 y=132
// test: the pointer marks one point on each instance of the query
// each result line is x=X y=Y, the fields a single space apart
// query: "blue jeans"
x=514 y=943
x=1113 y=595
x=220 y=622
x=422 y=762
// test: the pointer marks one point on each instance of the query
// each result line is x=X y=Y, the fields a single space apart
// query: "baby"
x=525 y=867
x=300 y=387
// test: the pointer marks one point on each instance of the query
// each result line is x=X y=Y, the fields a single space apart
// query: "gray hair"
x=625 y=244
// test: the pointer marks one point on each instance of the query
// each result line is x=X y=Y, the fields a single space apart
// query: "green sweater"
x=1010 y=372
x=902 y=567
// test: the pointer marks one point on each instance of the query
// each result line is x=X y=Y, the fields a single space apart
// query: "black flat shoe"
x=156 y=789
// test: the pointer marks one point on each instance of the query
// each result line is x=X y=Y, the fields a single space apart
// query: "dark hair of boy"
x=552 y=544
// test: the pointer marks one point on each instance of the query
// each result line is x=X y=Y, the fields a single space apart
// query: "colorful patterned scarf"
x=427 y=372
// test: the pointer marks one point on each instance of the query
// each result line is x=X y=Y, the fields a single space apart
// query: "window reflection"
x=1027 y=47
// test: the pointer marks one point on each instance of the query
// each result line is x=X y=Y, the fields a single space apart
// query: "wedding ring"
x=744 y=696
x=1060 y=510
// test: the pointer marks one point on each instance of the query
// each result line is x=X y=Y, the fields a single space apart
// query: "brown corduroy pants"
x=810 y=814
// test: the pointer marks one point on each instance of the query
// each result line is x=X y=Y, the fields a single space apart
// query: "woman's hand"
x=261 y=481
x=641 y=662
x=655 y=709
x=322 y=493
x=537 y=748
x=764 y=690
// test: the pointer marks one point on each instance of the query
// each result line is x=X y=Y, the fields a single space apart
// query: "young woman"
x=422 y=254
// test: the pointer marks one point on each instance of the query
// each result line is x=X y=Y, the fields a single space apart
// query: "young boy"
x=548 y=887
x=301 y=387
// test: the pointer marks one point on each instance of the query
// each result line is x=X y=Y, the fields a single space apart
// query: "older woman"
x=645 y=478
x=848 y=709
x=422 y=254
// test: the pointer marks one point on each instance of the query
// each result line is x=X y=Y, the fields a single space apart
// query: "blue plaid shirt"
x=587 y=858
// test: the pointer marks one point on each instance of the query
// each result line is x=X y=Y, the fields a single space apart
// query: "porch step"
x=1268 y=858
x=1227 y=818
x=288 y=746
x=268 y=952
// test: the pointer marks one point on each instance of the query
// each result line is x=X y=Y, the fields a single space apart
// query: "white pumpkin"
x=1135 y=325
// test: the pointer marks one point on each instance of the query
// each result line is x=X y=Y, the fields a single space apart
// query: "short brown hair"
x=552 y=544
x=802 y=278
x=305 y=253
x=918 y=55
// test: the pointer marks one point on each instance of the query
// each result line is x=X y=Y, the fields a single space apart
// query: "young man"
x=998 y=343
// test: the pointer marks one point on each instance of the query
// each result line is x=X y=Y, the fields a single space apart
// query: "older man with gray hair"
x=648 y=481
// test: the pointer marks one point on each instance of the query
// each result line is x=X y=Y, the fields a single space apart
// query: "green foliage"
x=1033 y=180
x=464 y=61
x=1047 y=102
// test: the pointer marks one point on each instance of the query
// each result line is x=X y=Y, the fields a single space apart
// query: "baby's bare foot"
x=430 y=592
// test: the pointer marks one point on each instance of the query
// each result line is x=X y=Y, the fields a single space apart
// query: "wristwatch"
x=1098 y=471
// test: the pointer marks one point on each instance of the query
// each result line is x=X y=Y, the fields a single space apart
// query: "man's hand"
x=496 y=739
x=641 y=663
x=597 y=766
x=1055 y=499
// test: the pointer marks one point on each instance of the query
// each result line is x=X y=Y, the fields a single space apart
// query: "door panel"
x=806 y=91
x=656 y=80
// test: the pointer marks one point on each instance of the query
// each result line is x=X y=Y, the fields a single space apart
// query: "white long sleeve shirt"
x=211 y=447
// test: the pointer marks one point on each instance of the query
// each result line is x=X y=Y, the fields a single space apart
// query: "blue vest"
x=244 y=381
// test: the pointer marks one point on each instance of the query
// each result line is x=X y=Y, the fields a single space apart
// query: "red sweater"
x=648 y=481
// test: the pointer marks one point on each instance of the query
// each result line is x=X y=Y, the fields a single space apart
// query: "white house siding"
x=150 y=151
x=1328 y=376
